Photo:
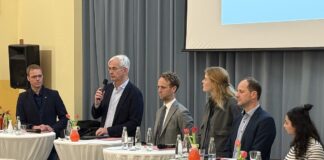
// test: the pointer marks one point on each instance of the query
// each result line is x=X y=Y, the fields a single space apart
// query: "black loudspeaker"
x=20 y=57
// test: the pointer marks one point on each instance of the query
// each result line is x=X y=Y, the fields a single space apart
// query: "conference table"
x=84 y=149
x=117 y=153
x=26 y=146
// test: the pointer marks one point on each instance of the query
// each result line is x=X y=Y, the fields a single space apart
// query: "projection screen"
x=204 y=31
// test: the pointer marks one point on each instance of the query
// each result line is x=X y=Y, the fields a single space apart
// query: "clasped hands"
x=43 y=128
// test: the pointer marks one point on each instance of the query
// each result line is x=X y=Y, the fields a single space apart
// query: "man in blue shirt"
x=255 y=128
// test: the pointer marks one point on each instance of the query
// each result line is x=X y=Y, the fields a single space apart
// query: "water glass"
x=253 y=154
x=23 y=128
x=130 y=142
x=67 y=133
x=202 y=153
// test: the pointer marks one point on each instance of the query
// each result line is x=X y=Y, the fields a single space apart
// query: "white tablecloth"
x=116 y=153
x=28 y=146
x=83 y=149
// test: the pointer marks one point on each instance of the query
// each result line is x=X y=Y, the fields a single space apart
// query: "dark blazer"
x=128 y=113
x=220 y=124
x=177 y=119
x=51 y=109
x=259 y=134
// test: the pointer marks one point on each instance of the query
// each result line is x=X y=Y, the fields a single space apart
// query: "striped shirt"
x=314 y=151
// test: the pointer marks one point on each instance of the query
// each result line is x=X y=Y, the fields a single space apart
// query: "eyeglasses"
x=115 y=68
x=36 y=76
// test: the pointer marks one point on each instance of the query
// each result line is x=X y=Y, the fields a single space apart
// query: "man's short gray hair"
x=123 y=59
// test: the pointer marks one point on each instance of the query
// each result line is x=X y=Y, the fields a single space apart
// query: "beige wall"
x=8 y=35
x=56 y=26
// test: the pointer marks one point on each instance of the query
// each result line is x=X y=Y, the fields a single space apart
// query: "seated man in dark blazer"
x=255 y=128
x=172 y=117
x=39 y=107
x=120 y=103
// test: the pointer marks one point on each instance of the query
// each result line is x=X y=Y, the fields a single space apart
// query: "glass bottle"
x=178 y=149
x=18 y=123
x=138 y=143
x=67 y=131
x=124 y=138
x=211 y=149
x=185 y=146
x=149 y=140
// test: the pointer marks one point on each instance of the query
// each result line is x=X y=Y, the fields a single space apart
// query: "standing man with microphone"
x=119 y=103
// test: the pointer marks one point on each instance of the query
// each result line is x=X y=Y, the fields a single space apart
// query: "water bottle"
x=211 y=149
x=185 y=146
x=149 y=140
x=138 y=143
x=124 y=138
x=178 y=149
x=18 y=123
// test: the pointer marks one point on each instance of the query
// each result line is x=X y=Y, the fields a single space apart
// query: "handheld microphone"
x=104 y=82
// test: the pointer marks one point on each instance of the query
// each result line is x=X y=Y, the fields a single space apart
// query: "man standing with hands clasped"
x=172 y=117
x=40 y=107
x=120 y=103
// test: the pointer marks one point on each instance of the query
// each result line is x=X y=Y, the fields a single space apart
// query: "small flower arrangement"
x=192 y=138
x=241 y=155
x=194 y=153
x=4 y=118
x=73 y=123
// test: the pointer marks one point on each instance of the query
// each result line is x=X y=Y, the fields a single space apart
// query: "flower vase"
x=194 y=152
x=74 y=135
x=10 y=127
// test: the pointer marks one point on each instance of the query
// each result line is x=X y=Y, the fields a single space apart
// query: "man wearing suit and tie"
x=120 y=103
x=172 y=117
x=39 y=107
x=255 y=128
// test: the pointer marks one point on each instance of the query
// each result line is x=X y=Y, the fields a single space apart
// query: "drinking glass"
x=67 y=133
x=130 y=142
x=253 y=155
x=23 y=128
x=202 y=153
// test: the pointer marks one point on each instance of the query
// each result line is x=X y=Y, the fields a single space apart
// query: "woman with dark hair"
x=220 y=110
x=307 y=143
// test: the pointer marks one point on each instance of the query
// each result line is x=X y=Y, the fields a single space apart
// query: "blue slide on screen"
x=263 y=11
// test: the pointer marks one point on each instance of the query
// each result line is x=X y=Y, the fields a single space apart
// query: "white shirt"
x=168 y=106
x=114 y=99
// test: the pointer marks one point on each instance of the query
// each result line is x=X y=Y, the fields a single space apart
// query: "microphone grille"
x=105 y=81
